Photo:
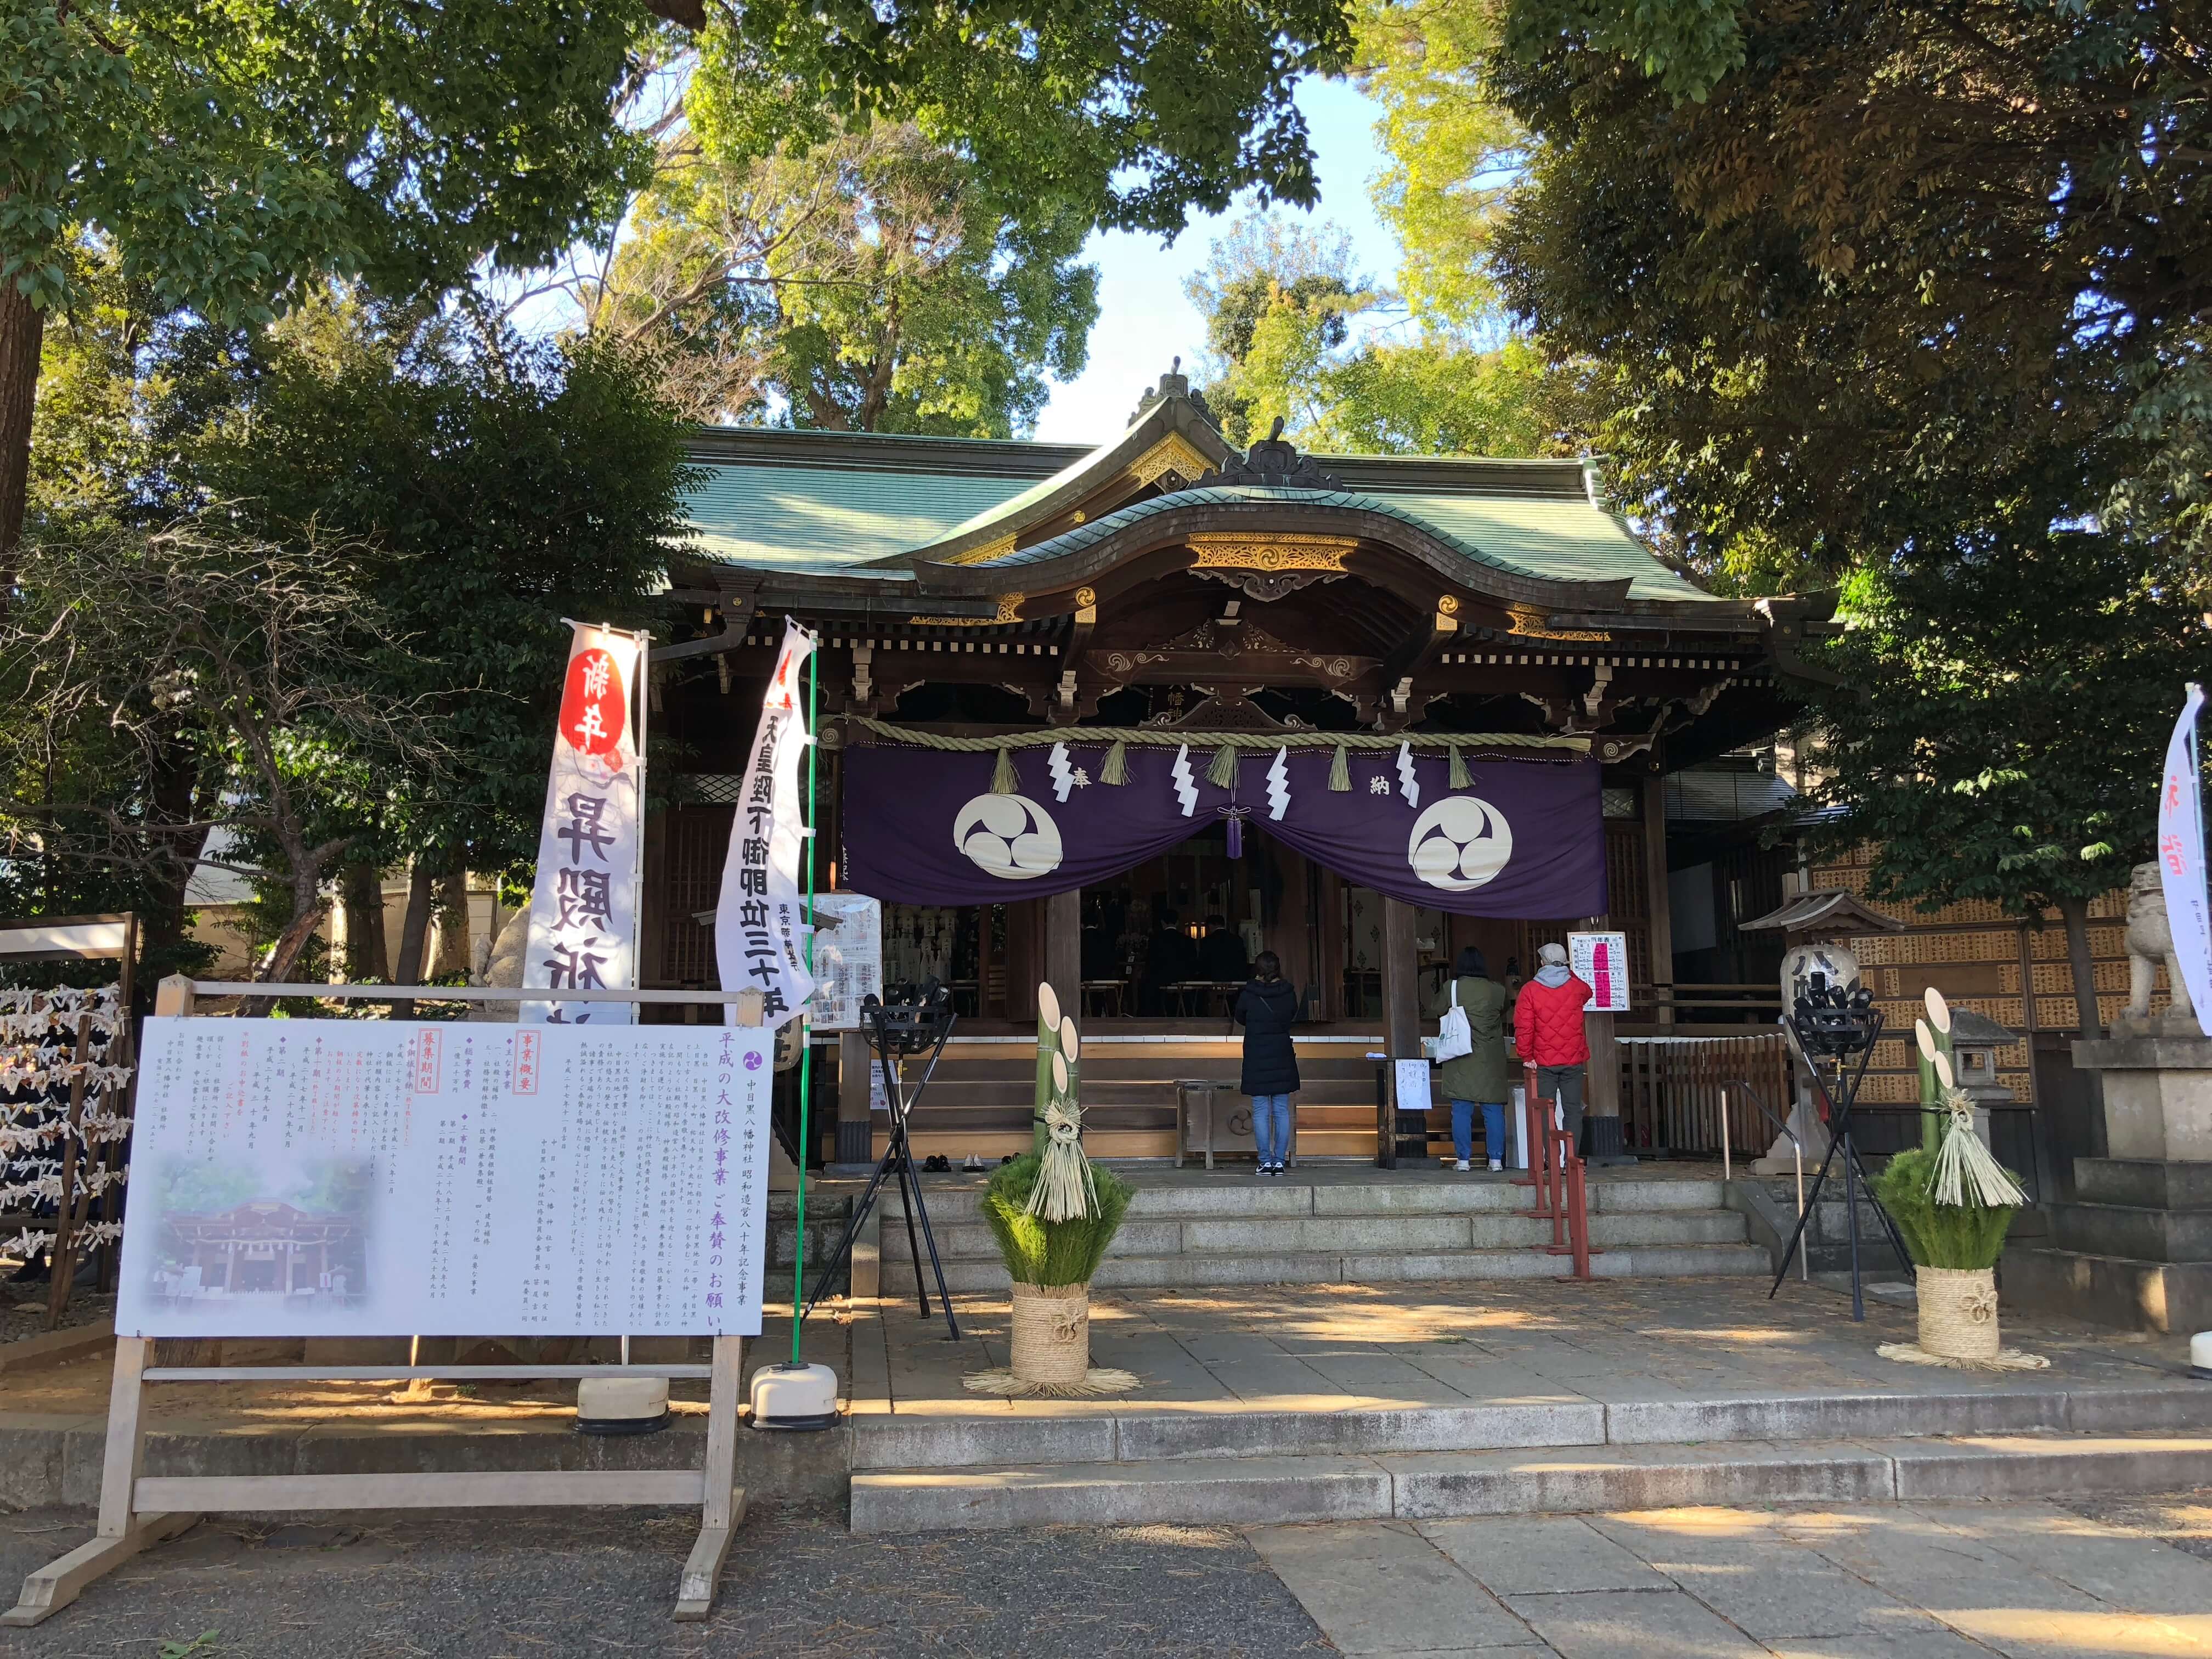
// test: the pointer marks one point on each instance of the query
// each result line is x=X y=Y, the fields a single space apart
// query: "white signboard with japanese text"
x=1412 y=1085
x=382 y=1177
x=583 y=910
x=1601 y=962
x=848 y=959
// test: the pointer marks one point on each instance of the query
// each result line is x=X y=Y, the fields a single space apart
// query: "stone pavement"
x=2031 y=1581
x=1420 y=1401
x=1900 y=1582
x=1648 y=1345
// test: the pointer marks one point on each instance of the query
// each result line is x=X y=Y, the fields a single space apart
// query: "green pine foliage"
x=1939 y=1234
x=1051 y=1253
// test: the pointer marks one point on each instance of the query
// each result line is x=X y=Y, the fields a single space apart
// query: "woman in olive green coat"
x=1484 y=1077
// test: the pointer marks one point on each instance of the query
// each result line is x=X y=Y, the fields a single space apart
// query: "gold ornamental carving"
x=1531 y=624
x=1173 y=453
x=1287 y=550
x=985 y=554
x=1010 y=610
x=1448 y=605
x=1085 y=598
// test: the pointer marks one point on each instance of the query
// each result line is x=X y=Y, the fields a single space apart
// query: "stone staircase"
x=1129 y=1467
x=1313 y=1225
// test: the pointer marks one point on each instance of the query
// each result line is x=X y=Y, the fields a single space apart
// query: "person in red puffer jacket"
x=1547 y=1028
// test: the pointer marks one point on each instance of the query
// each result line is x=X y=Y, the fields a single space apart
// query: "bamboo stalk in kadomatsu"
x=1055 y=1037
x=1933 y=1037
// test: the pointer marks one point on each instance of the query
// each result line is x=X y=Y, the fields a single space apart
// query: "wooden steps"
x=980 y=1101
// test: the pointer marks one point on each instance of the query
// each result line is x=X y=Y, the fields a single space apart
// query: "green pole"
x=805 y=1047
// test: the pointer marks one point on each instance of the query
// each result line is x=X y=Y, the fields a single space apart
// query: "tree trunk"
x=413 y=932
x=22 y=336
x=173 y=790
x=366 y=956
x=2077 y=913
x=307 y=909
x=453 y=926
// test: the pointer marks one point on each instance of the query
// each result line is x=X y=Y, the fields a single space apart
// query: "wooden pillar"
x=1330 y=925
x=1401 y=1014
x=855 y=1133
x=1063 y=950
x=983 y=961
x=1657 y=905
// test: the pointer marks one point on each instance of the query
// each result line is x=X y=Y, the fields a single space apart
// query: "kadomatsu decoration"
x=1955 y=1206
x=1053 y=1215
x=64 y=1114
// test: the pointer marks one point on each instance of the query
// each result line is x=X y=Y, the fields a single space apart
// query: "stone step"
x=1312 y=1234
x=953 y=1200
x=1427 y=1485
x=1138 y=1433
x=1328 y=1267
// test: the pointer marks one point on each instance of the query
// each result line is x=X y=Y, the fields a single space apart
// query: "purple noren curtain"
x=1523 y=839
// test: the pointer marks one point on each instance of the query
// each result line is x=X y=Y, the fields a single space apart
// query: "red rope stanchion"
x=1577 y=1212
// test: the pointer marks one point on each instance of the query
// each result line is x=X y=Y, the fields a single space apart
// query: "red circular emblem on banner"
x=594 y=707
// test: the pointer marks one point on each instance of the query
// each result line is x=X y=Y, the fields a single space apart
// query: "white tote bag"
x=1455 y=1036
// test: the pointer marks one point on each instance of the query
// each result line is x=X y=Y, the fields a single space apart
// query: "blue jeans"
x=1494 y=1129
x=1271 y=1126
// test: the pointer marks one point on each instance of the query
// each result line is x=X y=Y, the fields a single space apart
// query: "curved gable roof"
x=950 y=512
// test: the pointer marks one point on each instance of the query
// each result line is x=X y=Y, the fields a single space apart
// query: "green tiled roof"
x=869 y=505
x=1568 y=541
x=1557 y=540
x=812 y=519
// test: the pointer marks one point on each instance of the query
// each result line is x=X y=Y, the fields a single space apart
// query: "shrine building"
x=1120 y=719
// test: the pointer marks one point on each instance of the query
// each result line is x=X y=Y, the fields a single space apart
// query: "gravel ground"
x=23 y=1309
x=550 y=1584
x=2181 y=1519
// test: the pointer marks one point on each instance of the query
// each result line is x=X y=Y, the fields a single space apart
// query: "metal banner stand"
x=138 y=1510
x=901 y=1028
x=1838 y=1029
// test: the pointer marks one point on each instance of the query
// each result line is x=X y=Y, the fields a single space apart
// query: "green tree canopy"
x=466 y=501
x=226 y=156
x=1281 y=303
x=874 y=282
x=1139 y=109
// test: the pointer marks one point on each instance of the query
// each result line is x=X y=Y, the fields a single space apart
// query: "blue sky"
x=1144 y=318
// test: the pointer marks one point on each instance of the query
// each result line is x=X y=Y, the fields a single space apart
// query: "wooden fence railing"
x=1671 y=1090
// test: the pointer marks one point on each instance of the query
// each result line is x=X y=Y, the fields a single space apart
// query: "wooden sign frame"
x=138 y=1510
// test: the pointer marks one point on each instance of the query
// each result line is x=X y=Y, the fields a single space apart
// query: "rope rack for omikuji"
x=1227 y=747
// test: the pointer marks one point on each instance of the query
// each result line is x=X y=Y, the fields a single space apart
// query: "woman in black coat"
x=1267 y=1007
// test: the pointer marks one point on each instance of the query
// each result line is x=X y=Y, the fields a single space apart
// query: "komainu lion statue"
x=2150 y=941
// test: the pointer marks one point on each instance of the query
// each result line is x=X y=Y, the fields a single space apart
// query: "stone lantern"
x=1975 y=1040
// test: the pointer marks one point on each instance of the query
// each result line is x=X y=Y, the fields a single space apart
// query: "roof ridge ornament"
x=1273 y=462
x=1173 y=384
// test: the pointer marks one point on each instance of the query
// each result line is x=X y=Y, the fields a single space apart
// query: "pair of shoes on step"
x=1269 y=1170
x=1496 y=1165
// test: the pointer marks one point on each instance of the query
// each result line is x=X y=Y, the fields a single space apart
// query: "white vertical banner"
x=760 y=924
x=2181 y=859
x=584 y=908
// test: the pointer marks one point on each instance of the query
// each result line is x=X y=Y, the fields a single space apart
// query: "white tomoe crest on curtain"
x=2181 y=859
x=760 y=920
x=583 y=910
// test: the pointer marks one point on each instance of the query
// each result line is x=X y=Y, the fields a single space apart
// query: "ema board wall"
x=378 y=1178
